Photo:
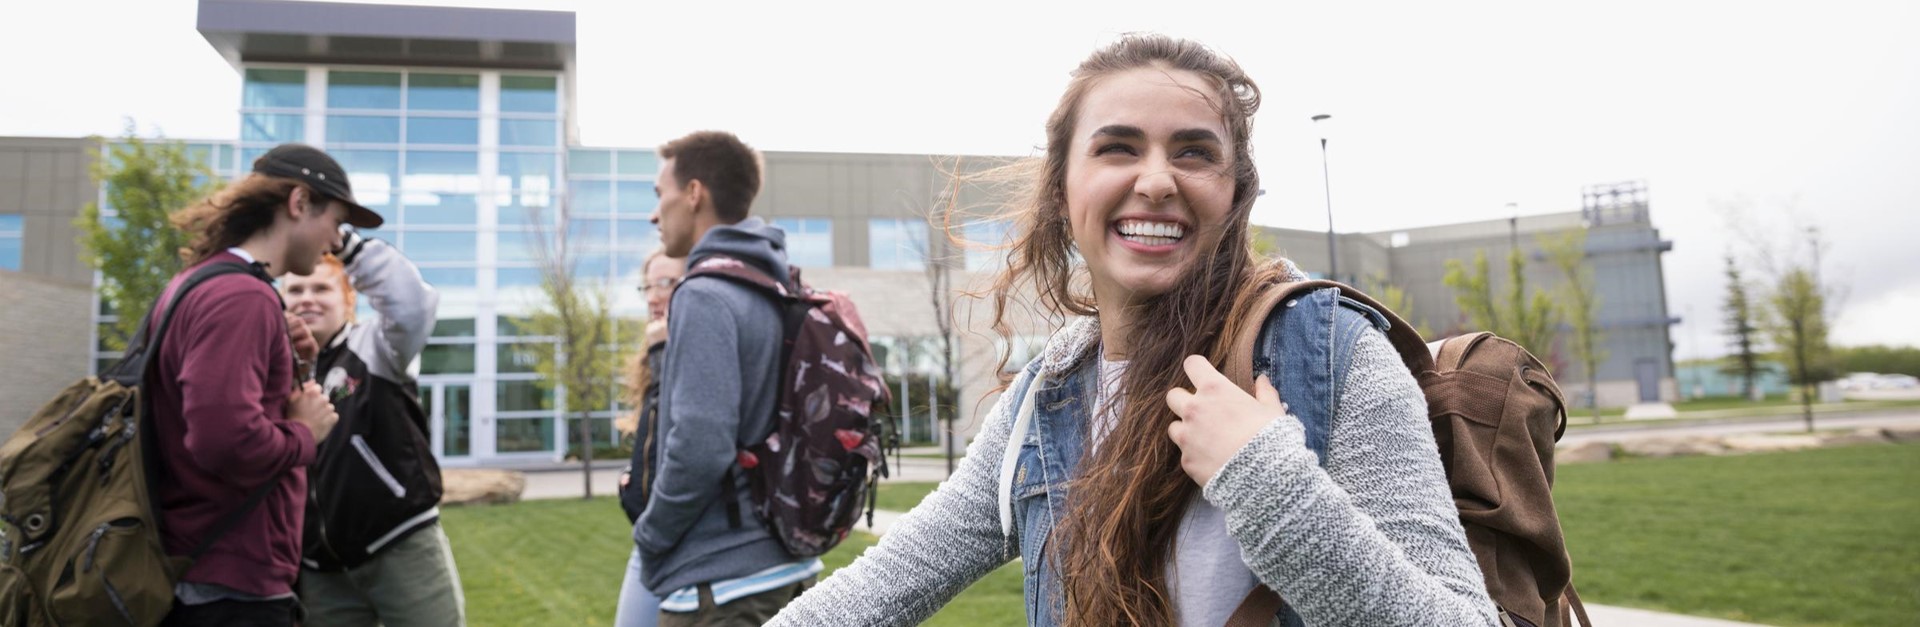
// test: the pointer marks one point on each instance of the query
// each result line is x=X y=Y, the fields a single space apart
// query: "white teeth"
x=1153 y=230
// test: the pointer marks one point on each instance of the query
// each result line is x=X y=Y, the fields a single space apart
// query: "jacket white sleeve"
x=406 y=304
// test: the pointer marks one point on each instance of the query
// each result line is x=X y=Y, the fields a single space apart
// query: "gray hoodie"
x=717 y=394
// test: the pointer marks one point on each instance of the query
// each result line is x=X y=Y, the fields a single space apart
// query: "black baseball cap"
x=312 y=166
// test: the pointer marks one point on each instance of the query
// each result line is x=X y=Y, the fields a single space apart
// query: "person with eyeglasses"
x=638 y=605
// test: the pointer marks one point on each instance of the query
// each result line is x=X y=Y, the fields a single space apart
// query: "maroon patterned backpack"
x=817 y=471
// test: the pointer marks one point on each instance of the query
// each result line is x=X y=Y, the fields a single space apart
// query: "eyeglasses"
x=659 y=284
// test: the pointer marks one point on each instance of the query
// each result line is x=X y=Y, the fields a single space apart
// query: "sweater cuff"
x=1265 y=460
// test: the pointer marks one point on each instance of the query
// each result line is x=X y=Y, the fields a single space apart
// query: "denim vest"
x=1311 y=337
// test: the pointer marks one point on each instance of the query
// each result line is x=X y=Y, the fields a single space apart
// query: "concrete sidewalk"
x=1602 y=615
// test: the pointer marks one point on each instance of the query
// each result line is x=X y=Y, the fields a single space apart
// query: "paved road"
x=1792 y=424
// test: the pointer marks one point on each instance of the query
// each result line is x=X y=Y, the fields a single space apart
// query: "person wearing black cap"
x=229 y=418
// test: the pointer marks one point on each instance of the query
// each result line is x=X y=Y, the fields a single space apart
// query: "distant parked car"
x=1896 y=382
x=1859 y=381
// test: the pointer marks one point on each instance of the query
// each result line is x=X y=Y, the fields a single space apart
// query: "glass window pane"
x=363 y=90
x=459 y=428
x=363 y=129
x=635 y=198
x=521 y=357
x=453 y=327
x=639 y=163
x=437 y=209
x=518 y=277
x=518 y=247
x=459 y=131
x=529 y=132
x=592 y=265
x=809 y=241
x=592 y=197
x=523 y=435
x=442 y=171
x=273 y=127
x=636 y=235
x=275 y=88
x=986 y=243
x=250 y=153
x=10 y=251
x=896 y=244
x=512 y=326
x=446 y=359
x=517 y=215
x=12 y=224
x=529 y=94
x=428 y=246
x=527 y=179
x=225 y=163
x=443 y=92
x=450 y=277
x=589 y=233
x=590 y=162
x=631 y=265
x=373 y=174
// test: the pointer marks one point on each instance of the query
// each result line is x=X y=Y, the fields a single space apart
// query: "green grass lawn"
x=1825 y=537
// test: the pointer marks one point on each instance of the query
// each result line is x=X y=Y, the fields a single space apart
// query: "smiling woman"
x=1131 y=500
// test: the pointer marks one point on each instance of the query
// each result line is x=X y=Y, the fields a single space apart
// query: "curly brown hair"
x=228 y=217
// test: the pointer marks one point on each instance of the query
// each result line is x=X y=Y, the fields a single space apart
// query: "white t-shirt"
x=1207 y=578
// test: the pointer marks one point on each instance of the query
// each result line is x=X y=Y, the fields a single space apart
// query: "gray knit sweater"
x=1371 y=539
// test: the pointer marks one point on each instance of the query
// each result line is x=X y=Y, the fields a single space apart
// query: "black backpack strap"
x=131 y=370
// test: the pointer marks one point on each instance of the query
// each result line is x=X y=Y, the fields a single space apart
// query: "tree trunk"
x=586 y=453
x=1593 y=392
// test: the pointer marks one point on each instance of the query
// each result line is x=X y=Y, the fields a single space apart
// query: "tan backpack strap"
x=1454 y=349
x=1258 y=609
x=1239 y=366
x=1579 y=609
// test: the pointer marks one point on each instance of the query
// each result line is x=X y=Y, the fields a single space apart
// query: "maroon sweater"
x=219 y=394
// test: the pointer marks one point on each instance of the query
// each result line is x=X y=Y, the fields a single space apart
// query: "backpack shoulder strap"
x=738 y=271
x=132 y=367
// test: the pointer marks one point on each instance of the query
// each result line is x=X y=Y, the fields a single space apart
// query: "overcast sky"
x=1806 y=113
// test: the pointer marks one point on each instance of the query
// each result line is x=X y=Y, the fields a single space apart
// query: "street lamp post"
x=1333 y=251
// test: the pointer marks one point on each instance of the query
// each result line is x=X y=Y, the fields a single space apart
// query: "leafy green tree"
x=578 y=313
x=1581 y=303
x=1529 y=321
x=136 y=249
x=1878 y=358
x=1796 y=320
x=1396 y=299
x=1743 y=334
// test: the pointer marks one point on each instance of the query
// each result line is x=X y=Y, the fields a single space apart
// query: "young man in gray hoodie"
x=712 y=562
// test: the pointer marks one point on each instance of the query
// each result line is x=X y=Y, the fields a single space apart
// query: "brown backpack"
x=1496 y=414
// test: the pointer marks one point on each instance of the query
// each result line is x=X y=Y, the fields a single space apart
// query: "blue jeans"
x=638 y=606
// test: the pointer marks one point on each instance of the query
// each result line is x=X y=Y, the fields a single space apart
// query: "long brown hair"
x=1128 y=497
x=639 y=375
x=236 y=212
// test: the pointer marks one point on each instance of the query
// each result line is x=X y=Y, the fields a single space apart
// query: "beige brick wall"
x=43 y=342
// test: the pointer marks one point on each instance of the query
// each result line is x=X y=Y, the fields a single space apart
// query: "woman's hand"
x=1217 y=419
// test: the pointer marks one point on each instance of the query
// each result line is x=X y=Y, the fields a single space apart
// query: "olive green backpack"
x=79 y=536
